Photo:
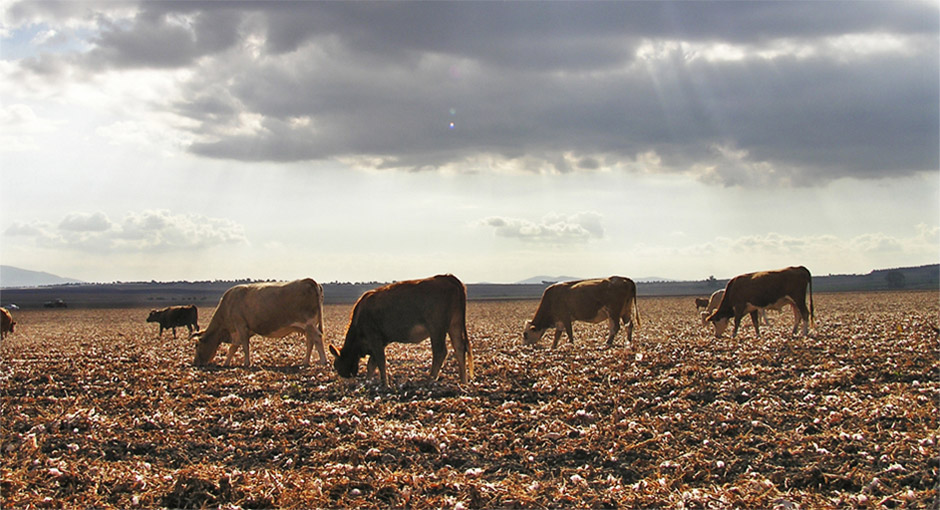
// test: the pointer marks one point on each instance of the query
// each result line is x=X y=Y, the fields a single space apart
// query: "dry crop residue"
x=98 y=412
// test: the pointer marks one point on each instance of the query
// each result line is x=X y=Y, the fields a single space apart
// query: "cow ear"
x=333 y=351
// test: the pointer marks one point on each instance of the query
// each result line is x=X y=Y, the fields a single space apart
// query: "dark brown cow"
x=408 y=312
x=173 y=317
x=613 y=299
x=752 y=293
x=272 y=310
x=6 y=322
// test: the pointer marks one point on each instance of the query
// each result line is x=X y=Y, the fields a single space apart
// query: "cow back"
x=268 y=307
x=391 y=312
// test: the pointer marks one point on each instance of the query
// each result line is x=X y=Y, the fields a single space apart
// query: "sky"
x=379 y=141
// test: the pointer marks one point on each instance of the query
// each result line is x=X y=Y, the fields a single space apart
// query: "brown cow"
x=408 y=312
x=588 y=301
x=701 y=302
x=6 y=322
x=272 y=310
x=752 y=293
x=175 y=316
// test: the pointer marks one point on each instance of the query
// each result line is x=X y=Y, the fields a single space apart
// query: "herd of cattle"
x=436 y=308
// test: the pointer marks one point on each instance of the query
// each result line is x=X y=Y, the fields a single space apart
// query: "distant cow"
x=172 y=317
x=6 y=322
x=587 y=301
x=753 y=292
x=408 y=312
x=701 y=302
x=272 y=310
x=58 y=303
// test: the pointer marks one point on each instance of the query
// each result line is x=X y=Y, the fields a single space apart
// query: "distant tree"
x=895 y=279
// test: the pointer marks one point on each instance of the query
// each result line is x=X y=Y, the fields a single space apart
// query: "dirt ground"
x=99 y=412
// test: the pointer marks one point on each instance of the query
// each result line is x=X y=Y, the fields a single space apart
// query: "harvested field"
x=98 y=412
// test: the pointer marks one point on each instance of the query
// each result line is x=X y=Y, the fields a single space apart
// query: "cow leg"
x=370 y=367
x=378 y=359
x=438 y=354
x=461 y=345
x=314 y=337
x=755 y=319
x=232 y=349
x=247 y=351
x=174 y=331
x=557 y=337
x=570 y=332
x=614 y=322
x=800 y=314
x=239 y=339
x=737 y=322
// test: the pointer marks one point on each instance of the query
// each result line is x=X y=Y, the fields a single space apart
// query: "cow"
x=585 y=300
x=408 y=312
x=713 y=302
x=6 y=322
x=701 y=302
x=771 y=290
x=172 y=317
x=272 y=310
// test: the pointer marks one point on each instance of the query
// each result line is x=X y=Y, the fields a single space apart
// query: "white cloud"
x=86 y=222
x=147 y=231
x=552 y=229
x=20 y=126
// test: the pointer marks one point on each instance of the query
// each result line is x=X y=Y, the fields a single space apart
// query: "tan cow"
x=766 y=290
x=271 y=310
x=408 y=312
x=592 y=301
x=6 y=322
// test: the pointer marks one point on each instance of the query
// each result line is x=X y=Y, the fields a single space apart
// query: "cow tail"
x=320 y=314
x=466 y=336
x=812 y=308
x=462 y=324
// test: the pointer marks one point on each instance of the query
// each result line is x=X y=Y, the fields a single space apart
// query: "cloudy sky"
x=495 y=140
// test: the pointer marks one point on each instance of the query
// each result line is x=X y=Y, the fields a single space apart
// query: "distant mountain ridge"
x=540 y=279
x=16 y=277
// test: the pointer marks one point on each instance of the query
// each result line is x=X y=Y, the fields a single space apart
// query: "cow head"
x=720 y=322
x=154 y=316
x=531 y=335
x=345 y=362
x=206 y=346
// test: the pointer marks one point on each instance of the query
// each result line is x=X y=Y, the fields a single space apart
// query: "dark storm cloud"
x=554 y=86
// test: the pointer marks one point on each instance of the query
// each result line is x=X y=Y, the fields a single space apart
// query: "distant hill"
x=16 y=277
x=536 y=280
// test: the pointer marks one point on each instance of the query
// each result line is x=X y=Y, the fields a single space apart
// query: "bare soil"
x=99 y=412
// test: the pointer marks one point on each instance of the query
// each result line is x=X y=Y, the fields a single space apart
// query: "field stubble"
x=99 y=412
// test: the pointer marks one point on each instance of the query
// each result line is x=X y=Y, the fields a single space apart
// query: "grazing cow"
x=272 y=310
x=711 y=304
x=588 y=301
x=408 y=312
x=175 y=316
x=753 y=292
x=6 y=322
x=701 y=302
